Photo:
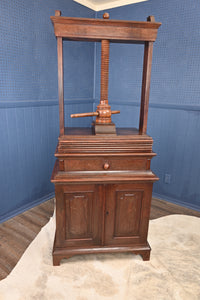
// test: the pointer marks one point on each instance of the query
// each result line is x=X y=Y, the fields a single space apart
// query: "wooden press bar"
x=96 y=30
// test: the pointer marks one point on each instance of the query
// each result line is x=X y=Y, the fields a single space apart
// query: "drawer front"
x=106 y=164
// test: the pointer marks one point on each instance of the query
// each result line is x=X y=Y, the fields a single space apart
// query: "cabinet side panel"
x=146 y=208
x=60 y=218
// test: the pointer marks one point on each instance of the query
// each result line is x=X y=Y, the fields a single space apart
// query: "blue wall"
x=174 y=114
x=28 y=97
x=29 y=105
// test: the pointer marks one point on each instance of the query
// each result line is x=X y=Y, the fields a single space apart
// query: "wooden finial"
x=151 y=19
x=106 y=15
x=57 y=13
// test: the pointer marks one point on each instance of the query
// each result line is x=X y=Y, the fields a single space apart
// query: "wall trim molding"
x=26 y=207
x=37 y=103
x=176 y=201
x=52 y=195
x=187 y=107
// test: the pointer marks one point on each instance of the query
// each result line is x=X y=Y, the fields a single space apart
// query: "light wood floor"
x=17 y=233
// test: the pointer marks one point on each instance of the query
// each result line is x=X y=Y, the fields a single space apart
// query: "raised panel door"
x=127 y=213
x=79 y=218
x=79 y=210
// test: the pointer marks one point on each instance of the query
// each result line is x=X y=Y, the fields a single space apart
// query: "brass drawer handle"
x=106 y=166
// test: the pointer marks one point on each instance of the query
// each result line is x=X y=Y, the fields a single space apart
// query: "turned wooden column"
x=103 y=108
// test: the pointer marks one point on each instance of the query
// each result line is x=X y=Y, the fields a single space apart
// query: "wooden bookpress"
x=103 y=182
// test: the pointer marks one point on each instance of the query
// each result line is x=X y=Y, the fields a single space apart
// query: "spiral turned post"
x=105 y=47
x=104 y=108
x=103 y=112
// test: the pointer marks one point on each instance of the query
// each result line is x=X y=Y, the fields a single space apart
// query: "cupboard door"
x=81 y=215
x=127 y=213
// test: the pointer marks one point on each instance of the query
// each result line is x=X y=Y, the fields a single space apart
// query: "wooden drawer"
x=105 y=164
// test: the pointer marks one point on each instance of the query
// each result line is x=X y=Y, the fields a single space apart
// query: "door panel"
x=79 y=208
x=82 y=215
x=127 y=213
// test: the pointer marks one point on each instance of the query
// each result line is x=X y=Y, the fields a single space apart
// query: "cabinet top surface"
x=104 y=22
x=98 y=29
x=87 y=133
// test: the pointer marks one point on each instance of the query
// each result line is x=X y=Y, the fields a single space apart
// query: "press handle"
x=92 y=114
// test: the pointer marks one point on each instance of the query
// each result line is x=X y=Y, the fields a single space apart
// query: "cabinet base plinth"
x=65 y=253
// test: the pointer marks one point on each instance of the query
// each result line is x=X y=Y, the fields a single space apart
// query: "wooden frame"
x=96 y=30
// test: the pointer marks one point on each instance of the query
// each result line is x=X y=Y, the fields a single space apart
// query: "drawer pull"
x=106 y=166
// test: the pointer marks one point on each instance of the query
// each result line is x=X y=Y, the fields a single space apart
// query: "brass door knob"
x=106 y=166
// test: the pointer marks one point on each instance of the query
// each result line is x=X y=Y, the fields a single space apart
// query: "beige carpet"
x=172 y=273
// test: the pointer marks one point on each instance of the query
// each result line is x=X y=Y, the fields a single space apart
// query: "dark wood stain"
x=102 y=176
